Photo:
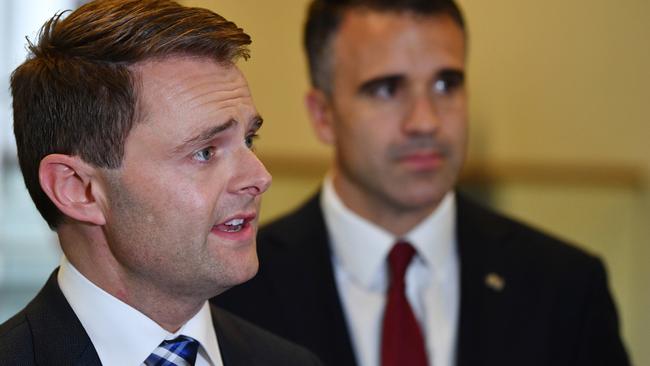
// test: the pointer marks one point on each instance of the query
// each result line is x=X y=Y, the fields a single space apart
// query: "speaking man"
x=135 y=131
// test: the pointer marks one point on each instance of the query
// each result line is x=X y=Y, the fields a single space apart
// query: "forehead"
x=397 y=41
x=188 y=81
x=187 y=94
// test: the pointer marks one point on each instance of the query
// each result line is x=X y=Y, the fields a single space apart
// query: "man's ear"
x=321 y=115
x=73 y=186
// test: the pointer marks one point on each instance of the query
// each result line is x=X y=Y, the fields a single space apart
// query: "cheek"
x=454 y=124
x=366 y=150
x=458 y=117
x=368 y=128
x=207 y=190
x=173 y=202
x=195 y=204
x=459 y=131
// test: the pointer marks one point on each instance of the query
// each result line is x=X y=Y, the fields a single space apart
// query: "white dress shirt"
x=359 y=252
x=121 y=334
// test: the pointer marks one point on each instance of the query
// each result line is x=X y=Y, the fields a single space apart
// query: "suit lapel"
x=57 y=333
x=232 y=346
x=486 y=304
x=312 y=291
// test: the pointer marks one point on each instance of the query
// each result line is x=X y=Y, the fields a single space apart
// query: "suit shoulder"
x=260 y=346
x=16 y=341
x=521 y=241
x=301 y=221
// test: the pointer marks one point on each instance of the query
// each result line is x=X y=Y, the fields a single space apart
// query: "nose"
x=421 y=116
x=255 y=179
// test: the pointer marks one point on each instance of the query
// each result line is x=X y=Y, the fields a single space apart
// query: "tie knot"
x=398 y=259
x=180 y=351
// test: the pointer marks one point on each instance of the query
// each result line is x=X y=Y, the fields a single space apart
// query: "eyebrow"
x=452 y=72
x=209 y=133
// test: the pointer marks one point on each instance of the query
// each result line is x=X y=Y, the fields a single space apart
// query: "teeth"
x=235 y=222
x=233 y=229
x=233 y=225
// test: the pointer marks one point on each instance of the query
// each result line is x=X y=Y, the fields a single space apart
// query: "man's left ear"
x=74 y=186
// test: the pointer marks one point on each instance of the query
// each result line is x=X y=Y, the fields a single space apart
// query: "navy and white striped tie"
x=180 y=351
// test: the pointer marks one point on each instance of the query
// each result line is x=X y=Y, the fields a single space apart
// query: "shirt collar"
x=361 y=247
x=121 y=334
x=435 y=237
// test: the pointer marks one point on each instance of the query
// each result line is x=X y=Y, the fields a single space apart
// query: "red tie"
x=402 y=343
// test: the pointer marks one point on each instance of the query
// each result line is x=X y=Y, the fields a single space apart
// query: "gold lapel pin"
x=495 y=282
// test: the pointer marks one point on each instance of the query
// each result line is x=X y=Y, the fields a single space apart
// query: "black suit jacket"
x=555 y=307
x=47 y=332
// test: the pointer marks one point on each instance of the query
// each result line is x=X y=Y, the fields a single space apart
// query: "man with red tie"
x=389 y=265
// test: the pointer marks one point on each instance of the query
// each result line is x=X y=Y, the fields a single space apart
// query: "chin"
x=252 y=272
x=247 y=270
x=236 y=276
x=421 y=200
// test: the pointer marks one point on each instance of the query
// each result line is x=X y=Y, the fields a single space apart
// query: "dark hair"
x=324 y=18
x=76 y=93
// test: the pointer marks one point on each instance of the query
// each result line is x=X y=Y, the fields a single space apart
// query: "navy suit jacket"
x=555 y=308
x=47 y=332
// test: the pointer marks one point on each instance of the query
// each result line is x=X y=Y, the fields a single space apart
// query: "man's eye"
x=204 y=155
x=448 y=82
x=250 y=140
x=384 y=88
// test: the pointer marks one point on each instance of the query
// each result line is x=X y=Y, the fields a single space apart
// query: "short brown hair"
x=76 y=94
x=324 y=18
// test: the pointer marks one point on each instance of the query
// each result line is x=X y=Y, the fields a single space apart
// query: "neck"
x=396 y=219
x=86 y=248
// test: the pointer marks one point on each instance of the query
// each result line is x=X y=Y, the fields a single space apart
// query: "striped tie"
x=180 y=351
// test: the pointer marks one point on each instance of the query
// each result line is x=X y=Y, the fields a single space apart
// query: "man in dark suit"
x=134 y=131
x=388 y=264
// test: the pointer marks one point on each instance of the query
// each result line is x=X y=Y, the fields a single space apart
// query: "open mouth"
x=233 y=226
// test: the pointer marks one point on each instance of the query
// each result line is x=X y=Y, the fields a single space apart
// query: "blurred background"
x=559 y=95
x=29 y=251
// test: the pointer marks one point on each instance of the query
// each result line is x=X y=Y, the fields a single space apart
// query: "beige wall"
x=557 y=87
